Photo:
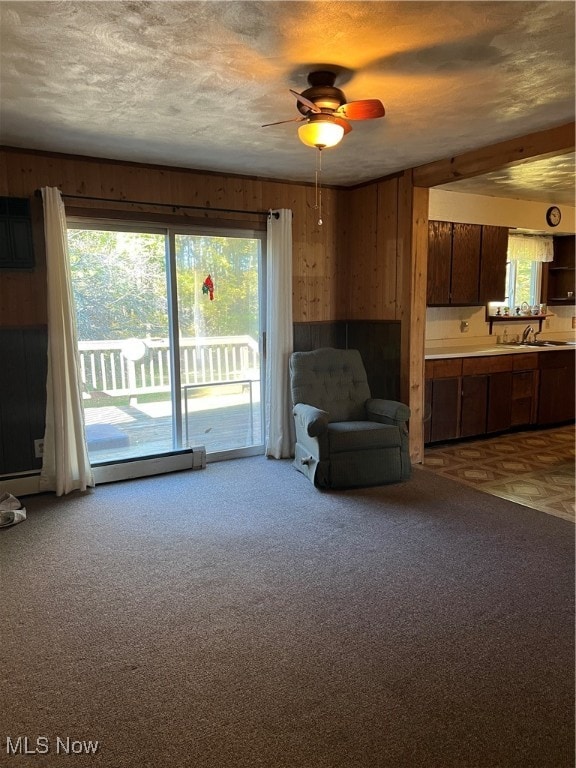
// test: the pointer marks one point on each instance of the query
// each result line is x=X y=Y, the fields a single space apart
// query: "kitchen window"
x=523 y=282
x=526 y=253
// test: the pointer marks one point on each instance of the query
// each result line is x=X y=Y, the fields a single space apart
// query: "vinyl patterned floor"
x=533 y=468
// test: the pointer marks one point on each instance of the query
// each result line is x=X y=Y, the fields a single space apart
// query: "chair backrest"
x=333 y=380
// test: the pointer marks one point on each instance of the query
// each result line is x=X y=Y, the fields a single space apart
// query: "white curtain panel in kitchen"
x=530 y=248
x=279 y=345
x=66 y=466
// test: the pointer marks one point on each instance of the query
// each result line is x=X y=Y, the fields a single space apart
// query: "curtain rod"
x=167 y=205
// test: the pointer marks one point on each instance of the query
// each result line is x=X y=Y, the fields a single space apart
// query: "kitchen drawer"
x=472 y=366
x=445 y=368
x=561 y=358
x=527 y=362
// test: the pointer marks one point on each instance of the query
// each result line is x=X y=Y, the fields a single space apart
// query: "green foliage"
x=120 y=285
x=523 y=281
x=232 y=264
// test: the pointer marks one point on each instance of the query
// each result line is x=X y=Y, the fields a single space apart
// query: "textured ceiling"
x=190 y=83
x=549 y=180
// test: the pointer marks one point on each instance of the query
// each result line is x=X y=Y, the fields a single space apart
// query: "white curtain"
x=65 y=466
x=280 y=422
x=530 y=248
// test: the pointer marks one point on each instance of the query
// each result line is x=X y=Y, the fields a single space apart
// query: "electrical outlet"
x=39 y=448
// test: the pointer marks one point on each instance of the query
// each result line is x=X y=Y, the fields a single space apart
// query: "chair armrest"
x=312 y=419
x=387 y=411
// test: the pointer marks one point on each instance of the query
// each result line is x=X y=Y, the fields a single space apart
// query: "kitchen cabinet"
x=466 y=241
x=466 y=263
x=470 y=396
x=474 y=403
x=556 y=389
x=559 y=278
x=442 y=399
x=473 y=396
x=467 y=397
x=499 y=408
x=525 y=380
x=523 y=401
x=492 y=409
x=439 y=262
x=493 y=255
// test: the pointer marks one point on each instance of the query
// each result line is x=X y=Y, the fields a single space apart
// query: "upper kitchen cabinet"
x=493 y=256
x=559 y=280
x=466 y=243
x=439 y=262
x=466 y=264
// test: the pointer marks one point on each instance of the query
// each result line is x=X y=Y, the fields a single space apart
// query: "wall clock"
x=553 y=216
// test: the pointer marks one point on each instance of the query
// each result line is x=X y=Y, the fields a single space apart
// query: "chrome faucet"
x=527 y=331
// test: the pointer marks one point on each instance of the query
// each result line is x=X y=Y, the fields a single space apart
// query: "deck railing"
x=139 y=366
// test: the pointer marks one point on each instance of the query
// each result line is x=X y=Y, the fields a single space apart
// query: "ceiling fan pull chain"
x=318 y=186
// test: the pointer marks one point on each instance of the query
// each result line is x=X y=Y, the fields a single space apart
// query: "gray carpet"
x=236 y=617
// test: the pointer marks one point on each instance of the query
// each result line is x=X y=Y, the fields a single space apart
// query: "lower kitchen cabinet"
x=499 y=410
x=443 y=395
x=489 y=386
x=556 y=392
x=523 y=406
x=473 y=396
x=443 y=409
x=474 y=404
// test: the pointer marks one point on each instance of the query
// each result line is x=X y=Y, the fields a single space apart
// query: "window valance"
x=530 y=248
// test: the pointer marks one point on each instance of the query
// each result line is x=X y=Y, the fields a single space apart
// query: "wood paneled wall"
x=316 y=287
x=370 y=251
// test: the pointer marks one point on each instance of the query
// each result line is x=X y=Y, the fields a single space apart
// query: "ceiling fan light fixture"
x=321 y=131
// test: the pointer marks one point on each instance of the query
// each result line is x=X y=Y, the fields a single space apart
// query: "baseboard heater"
x=128 y=469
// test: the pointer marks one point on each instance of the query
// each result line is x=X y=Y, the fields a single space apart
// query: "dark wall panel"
x=379 y=345
x=309 y=336
x=377 y=341
x=22 y=397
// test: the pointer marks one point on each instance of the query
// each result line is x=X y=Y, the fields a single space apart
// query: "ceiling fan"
x=326 y=113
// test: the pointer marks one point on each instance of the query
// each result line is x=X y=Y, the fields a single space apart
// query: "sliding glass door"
x=169 y=338
x=218 y=311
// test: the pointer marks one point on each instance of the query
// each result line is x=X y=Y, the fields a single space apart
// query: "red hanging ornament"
x=208 y=287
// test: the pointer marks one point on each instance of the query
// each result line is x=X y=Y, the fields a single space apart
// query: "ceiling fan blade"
x=365 y=109
x=344 y=123
x=280 y=122
x=303 y=100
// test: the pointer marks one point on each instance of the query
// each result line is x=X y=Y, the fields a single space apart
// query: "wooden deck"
x=220 y=423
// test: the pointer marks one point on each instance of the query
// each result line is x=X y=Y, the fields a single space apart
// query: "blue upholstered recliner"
x=344 y=437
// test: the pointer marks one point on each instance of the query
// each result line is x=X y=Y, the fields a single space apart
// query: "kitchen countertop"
x=481 y=350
